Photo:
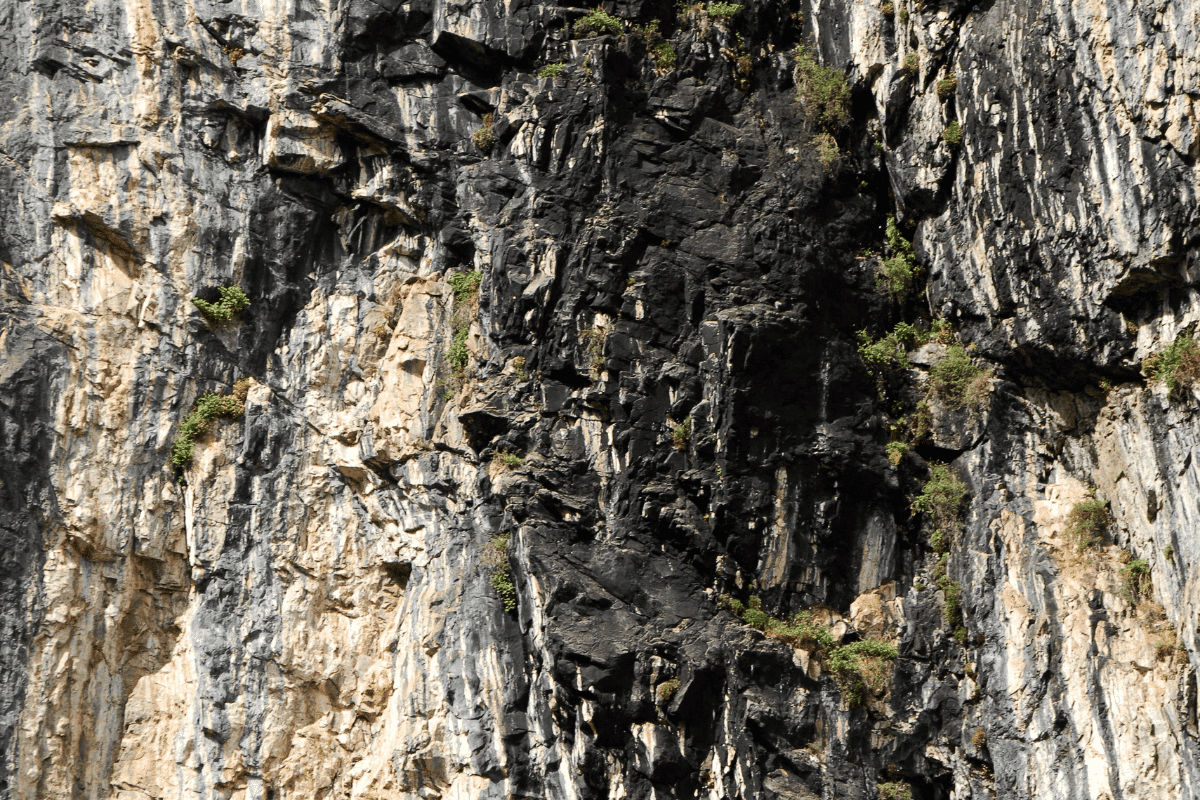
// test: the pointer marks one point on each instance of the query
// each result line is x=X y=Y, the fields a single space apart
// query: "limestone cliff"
x=554 y=363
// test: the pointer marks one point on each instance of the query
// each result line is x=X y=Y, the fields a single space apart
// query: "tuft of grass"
x=912 y=64
x=896 y=451
x=947 y=86
x=598 y=22
x=592 y=340
x=208 y=408
x=895 y=790
x=953 y=133
x=941 y=498
x=465 y=285
x=826 y=146
x=823 y=91
x=721 y=10
x=979 y=739
x=1169 y=553
x=485 y=136
x=1178 y=366
x=891 y=351
x=957 y=381
x=507 y=460
x=1087 y=524
x=666 y=690
x=233 y=301
x=551 y=71
x=1136 y=579
x=861 y=667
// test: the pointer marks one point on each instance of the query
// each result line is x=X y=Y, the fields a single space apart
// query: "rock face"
x=651 y=398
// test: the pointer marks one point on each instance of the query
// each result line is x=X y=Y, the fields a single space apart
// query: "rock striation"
x=551 y=371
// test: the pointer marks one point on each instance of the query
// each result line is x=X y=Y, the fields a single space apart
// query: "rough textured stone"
x=307 y=609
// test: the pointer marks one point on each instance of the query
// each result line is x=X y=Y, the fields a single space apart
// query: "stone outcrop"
x=651 y=402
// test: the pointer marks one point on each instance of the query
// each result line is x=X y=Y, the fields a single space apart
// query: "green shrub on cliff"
x=495 y=559
x=208 y=408
x=895 y=790
x=823 y=91
x=957 y=381
x=898 y=273
x=1087 y=523
x=598 y=22
x=233 y=301
x=941 y=498
x=1178 y=366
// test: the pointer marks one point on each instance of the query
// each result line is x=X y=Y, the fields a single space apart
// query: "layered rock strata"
x=651 y=398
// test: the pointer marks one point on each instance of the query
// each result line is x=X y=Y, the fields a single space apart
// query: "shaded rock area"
x=487 y=538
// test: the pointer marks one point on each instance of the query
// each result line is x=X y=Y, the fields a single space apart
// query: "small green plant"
x=895 y=790
x=1087 y=523
x=597 y=22
x=666 y=690
x=485 y=136
x=1178 y=366
x=1136 y=579
x=827 y=150
x=861 y=667
x=941 y=498
x=896 y=452
x=208 y=408
x=664 y=55
x=519 y=369
x=681 y=434
x=551 y=71
x=233 y=301
x=823 y=91
x=918 y=586
x=722 y=10
x=507 y=460
x=947 y=86
x=465 y=285
x=952 y=592
x=1169 y=553
x=953 y=132
x=887 y=9
x=903 y=14
x=495 y=560
x=897 y=274
x=937 y=540
x=912 y=64
x=891 y=351
x=957 y=381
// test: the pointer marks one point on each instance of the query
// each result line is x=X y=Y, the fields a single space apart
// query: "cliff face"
x=651 y=398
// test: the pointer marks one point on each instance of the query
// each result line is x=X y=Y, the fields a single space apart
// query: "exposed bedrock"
x=486 y=539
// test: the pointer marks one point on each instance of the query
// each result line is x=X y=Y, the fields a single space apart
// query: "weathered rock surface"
x=307 y=609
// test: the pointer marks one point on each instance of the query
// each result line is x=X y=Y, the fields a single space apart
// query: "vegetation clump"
x=720 y=10
x=953 y=132
x=233 y=301
x=592 y=340
x=664 y=55
x=551 y=71
x=826 y=146
x=1178 y=366
x=1135 y=577
x=895 y=452
x=957 y=381
x=823 y=91
x=208 y=408
x=912 y=63
x=952 y=592
x=947 y=86
x=681 y=434
x=890 y=351
x=898 y=273
x=507 y=460
x=485 y=136
x=979 y=739
x=598 y=22
x=941 y=498
x=895 y=790
x=495 y=559
x=465 y=286
x=860 y=667
x=666 y=690
x=1087 y=523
